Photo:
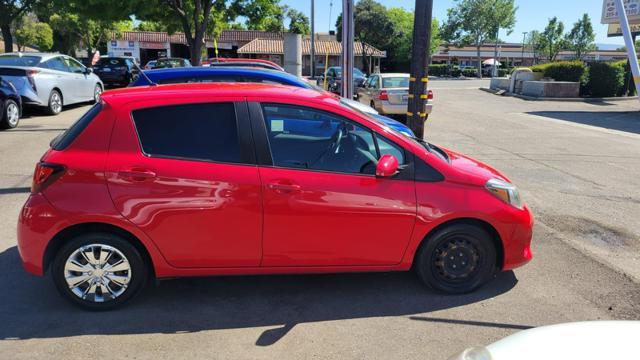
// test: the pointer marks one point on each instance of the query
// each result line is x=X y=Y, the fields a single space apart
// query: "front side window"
x=74 y=66
x=206 y=132
x=311 y=139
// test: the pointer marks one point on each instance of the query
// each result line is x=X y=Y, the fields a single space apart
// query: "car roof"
x=159 y=74
x=44 y=56
x=384 y=75
x=192 y=90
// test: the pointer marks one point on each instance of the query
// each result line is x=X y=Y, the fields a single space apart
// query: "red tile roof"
x=179 y=38
x=271 y=46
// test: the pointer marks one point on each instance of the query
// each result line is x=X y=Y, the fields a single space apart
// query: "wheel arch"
x=490 y=229
x=59 y=92
x=72 y=231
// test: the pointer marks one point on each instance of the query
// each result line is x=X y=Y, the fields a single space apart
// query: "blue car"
x=10 y=105
x=246 y=74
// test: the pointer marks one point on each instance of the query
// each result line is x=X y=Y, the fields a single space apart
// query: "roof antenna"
x=141 y=73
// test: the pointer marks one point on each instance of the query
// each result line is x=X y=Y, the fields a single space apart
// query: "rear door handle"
x=137 y=174
x=283 y=188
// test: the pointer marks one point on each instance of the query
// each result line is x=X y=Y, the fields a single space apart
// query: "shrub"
x=468 y=72
x=456 y=72
x=565 y=71
x=438 y=69
x=606 y=79
x=504 y=72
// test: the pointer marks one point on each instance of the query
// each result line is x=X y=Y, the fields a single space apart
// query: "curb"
x=586 y=100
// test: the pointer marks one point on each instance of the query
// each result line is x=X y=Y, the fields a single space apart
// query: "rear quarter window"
x=65 y=139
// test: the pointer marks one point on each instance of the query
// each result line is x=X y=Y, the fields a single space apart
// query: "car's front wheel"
x=457 y=259
x=11 y=116
x=99 y=271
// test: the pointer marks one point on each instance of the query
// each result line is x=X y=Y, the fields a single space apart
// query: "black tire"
x=53 y=107
x=96 y=97
x=373 y=105
x=8 y=118
x=457 y=259
x=138 y=271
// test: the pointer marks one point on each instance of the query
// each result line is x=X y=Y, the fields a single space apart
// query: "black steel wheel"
x=457 y=259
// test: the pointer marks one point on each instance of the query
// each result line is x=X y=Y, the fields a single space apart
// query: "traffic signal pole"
x=419 y=78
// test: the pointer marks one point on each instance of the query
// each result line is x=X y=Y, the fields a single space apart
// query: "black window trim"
x=69 y=136
x=263 y=148
x=245 y=139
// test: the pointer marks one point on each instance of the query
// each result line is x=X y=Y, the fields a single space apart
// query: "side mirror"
x=88 y=70
x=387 y=166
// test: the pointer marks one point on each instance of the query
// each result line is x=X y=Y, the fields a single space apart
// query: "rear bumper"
x=108 y=78
x=385 y=108
x=36 y=224
x=29 y=97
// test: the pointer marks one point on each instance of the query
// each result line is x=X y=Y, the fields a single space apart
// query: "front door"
x=323 y=206
x=186 y=176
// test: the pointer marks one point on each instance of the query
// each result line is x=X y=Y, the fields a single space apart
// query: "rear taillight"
x=430 y=95
x=383 y=95
x=44 y=175
x=30 y=74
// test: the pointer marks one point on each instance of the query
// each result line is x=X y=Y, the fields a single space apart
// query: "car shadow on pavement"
x=32 y=308
x=628 y=121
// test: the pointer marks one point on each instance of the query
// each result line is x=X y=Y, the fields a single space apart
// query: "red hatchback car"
x=231 y=179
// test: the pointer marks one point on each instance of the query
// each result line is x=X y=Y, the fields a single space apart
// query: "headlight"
x=476 y=353
x=505 y=192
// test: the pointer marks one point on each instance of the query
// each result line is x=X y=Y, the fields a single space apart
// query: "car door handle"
x=137 y=174
x=283 y=188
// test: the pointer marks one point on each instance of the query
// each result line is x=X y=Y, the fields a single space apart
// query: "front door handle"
x=283 y=188
x=137 y=174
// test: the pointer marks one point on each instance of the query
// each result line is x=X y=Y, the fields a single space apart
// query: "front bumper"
x=517 y=248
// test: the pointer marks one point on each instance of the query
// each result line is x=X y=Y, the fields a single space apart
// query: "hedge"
x=468 y=72
x=605 y=79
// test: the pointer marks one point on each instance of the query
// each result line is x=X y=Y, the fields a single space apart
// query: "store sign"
x=152 y=45
x=610 y=11
x=616 y=30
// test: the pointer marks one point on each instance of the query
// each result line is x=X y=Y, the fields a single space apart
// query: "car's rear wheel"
x=54 y=106
x=99 y=271
x=457 y=259
x=11 y=115
x=97 y=92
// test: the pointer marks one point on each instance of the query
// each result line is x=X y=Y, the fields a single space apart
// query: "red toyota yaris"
x=230 y=179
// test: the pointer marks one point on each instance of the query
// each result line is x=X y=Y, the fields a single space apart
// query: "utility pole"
x=419 y=79
x=524 y=40
x=347 y=48
x=313 y=41
x=494 y=71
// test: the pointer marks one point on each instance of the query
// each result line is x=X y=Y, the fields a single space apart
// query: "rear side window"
x=196 y=131
x=66 y=138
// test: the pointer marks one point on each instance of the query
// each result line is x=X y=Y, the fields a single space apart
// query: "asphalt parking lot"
x=578 y=165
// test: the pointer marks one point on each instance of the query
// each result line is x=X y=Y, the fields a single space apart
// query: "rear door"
x=82 y=83
x=185 y=174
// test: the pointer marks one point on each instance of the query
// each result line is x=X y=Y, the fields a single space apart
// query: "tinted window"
x=66 y=138
x=311 y=139
x=111 y=62
x=387 y=147
x=15 y=60
x=74 y=66
x=56 y=64
x=395 y=82
x=195 y=131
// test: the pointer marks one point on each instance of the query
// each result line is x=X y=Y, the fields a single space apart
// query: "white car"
x=595 y=340
x=50 y=80
x=389 y=94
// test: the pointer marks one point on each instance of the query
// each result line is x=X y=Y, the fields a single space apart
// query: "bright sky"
x=531 y=15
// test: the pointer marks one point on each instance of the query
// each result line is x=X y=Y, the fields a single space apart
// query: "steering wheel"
x=334 y=146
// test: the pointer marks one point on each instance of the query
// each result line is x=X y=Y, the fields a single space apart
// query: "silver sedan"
x=50 y=80
x=388 y=94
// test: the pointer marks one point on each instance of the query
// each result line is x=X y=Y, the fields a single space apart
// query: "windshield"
x=169 y=63
x=356 y=72
x=17 y=60
x=395 y=82
x=110 y=62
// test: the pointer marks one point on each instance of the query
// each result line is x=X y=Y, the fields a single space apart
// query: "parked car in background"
x=10 y=105
x=334 y=79
x=261 y=166
x=50 y=80
x=247 y=74
x=115 y=71
x=222 y=62
x=389 y=94
x=171 y=63
x=150 y=64
x=589 y=340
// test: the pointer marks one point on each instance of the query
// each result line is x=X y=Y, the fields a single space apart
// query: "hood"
x=471 y=170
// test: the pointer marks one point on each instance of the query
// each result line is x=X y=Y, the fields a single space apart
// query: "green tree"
x=35 y=34
x=10 y=10
x=298 y=22
x=553 y=38
x=581 y=39
x=535 y=43
x=264 y=15
x=373 y=26
x=399 y=49
x=473 y=22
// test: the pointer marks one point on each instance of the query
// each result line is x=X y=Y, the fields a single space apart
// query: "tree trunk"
x=479 y=61
x=195 y=49
x=6 y=35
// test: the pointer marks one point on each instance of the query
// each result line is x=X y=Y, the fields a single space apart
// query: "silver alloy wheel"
x=56 y=102
x=13 y=114
x=97 y=92
x=97 y=273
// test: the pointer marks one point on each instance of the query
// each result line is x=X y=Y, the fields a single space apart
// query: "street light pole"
x=419 y=78
x=347 y=48
x=524 y=39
